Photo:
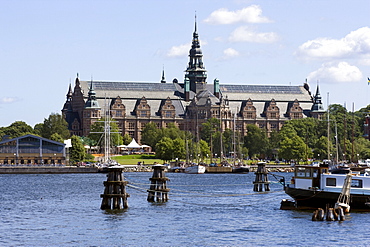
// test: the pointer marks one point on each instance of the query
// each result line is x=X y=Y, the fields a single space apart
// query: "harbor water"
x=203 y=210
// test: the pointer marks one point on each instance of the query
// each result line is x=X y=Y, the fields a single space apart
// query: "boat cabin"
x=319 y=178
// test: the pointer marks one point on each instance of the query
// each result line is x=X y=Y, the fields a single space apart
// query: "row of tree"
x=54 y=128
x=339 y=135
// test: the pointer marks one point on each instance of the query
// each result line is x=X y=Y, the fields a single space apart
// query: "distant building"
x=187 y=104
x=31 y=150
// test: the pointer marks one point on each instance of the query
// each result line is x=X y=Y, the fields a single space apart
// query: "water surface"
x=203 y=210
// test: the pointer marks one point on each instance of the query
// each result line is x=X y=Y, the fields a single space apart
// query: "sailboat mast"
x=345 y=133
x=353 y=131
x=234 y=143
x=106 y=133
x=221 y=131
x=328 y=112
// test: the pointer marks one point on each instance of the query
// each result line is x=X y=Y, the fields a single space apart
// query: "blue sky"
x=44 y=44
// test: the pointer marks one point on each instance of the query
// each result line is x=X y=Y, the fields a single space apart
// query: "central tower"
x=196 y=73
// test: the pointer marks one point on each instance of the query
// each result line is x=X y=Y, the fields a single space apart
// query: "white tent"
x=133 y=145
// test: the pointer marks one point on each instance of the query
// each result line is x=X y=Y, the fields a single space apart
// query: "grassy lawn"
x=150 y=159
x=135 y=158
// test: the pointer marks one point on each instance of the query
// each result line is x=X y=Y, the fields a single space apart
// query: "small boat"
x=316 y=187
x=176 y=169
x=241 y=169
x=195 y=169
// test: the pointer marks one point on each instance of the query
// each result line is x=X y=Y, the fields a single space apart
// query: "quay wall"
x=47 y=170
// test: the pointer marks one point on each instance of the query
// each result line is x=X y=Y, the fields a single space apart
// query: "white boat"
x=196 y=169
x=315 y=187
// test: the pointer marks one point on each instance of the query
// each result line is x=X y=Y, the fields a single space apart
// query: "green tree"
x=292 y=146
x=209 y=128
x=172 y=132
x=77 y=151
x=273 y=145
x=228 y=142
x=16 y=129
x=255 y=140
x=56 y=137
x=320 y=151
x=55 y=124
x=204 y=149
x=151 y=135
x=179 y=148
x=126 y=139
x=37 y=129
x=164 y=149
x=306 y=128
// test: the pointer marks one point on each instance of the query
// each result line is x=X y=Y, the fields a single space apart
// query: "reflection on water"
x=203 y=210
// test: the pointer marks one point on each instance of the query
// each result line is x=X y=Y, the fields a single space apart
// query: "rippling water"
x=203 y=210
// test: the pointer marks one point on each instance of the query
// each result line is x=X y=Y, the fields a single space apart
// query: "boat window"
x=300 y=172
x=356 y=183
x=308 y=172
x=331 y=182
x=315 y=172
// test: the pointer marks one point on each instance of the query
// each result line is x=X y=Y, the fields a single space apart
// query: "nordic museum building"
x=188 y=104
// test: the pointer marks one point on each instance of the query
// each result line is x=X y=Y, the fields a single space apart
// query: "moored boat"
x=195 y=169
x=241 y=169
x=316 y=187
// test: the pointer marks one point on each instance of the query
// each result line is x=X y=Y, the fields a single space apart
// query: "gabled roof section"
x=206 y=97
x=134 y=86
x=225 y=88
x=33 y=136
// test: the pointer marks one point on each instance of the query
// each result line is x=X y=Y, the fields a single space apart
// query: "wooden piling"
x=158 y=191
x=261 y=179
x=115 y=196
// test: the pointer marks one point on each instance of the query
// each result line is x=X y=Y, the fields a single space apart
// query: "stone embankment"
x=94 y=169
x=46 y=169
x=274 y=168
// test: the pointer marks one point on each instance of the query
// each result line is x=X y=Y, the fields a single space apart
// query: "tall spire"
x=91 y=101
x=69 y=94
x=196 y=71
x=317 y=103
x=163 y=78
x=195 y=29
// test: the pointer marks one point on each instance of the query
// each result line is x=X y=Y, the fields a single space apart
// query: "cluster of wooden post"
x=115 y=196
x=261 y=179
x=158 y=191
x=331 y=214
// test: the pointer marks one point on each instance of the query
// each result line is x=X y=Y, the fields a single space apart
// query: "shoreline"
x=94 y=169
x=47 y=170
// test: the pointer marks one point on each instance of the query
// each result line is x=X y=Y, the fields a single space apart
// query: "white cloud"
x=8 y=100
x=246 y=34
x=339 y=72
x=182 y=50
x=179 y=51
x=251 y=14
x=355 y=43
x=230 y=52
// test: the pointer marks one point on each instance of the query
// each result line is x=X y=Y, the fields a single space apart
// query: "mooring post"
x=115 y=196
x=261 y=179
x=158 y=191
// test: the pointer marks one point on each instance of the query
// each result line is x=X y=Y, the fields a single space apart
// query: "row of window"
x=355 y=183
x=31 y=161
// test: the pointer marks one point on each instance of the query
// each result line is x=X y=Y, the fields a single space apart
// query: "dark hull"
x=307 y=199
x=240 y=169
